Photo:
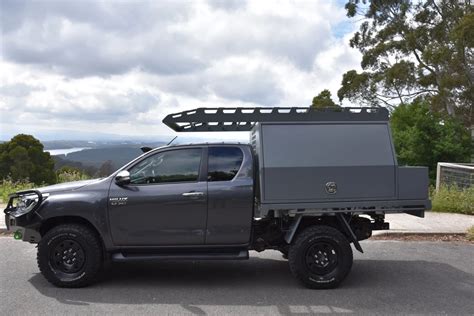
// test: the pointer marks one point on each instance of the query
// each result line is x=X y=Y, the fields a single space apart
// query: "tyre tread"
x=309 y=232
x=93 y=245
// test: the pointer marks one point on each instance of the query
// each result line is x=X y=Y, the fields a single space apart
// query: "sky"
x=93 y=69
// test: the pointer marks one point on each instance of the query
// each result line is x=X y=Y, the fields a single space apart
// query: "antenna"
x=172 y=140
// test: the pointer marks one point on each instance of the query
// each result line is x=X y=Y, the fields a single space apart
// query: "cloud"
x=254 y=82
x=124 y=65
x=228 y=5
x=101 y=38
x=18 y=90
x=113 y=16
x=87 y=38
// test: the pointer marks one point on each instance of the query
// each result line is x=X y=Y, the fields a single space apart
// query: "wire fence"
x=455 y=174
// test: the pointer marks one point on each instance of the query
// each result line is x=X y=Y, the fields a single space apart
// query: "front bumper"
x=27 y=234
x=23 y=224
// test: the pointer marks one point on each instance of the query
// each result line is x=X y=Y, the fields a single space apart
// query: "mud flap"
x=348 y=230
x=293 y=227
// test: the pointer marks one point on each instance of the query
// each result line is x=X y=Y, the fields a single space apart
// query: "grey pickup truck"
x=309 y=184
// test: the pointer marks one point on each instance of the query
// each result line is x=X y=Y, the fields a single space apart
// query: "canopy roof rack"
x=243 y=119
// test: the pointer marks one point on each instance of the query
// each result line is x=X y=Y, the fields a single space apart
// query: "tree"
x=423 y=137
x=23 y=157
x=414 y=49
x=323 y=100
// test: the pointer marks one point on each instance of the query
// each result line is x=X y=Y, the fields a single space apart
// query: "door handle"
x=193 y=194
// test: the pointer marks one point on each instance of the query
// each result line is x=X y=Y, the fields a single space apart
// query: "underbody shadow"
x=373 y=286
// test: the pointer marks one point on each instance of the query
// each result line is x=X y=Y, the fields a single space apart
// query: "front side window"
x=181 y=165
x=224 y=163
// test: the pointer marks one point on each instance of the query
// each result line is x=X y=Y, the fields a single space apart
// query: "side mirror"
x=122 y=178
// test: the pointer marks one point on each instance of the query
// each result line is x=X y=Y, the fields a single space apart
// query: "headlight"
x=26 y=203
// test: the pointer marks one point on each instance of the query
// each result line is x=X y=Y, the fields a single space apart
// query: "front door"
x=165 y=203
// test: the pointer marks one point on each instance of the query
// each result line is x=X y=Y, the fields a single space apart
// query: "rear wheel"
x=70 y=255
x=320 y=257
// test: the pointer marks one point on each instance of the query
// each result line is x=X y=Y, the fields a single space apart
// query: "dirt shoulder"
x=424 y=237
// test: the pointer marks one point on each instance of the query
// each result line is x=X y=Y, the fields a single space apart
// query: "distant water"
x=57 y=152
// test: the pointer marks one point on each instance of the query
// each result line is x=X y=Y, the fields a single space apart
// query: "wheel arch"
x=337 y=222
x=302 y=222
x=52 y=222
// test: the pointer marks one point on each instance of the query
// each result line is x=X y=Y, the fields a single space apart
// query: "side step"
x=127 y=257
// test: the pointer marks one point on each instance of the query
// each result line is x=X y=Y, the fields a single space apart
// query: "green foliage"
x=8 y=186
x=423 y=137
x=358 y=87
x=68 y=174
x=60 y=163
x=323 y=100
x=470 y=233
x=23 y=158
x=65 y=174
x=413 y=49
x=453 y=200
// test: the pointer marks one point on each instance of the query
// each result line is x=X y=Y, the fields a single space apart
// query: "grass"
x=470 y=234
x=71 y=175
x=453 y=200
x=8 y=186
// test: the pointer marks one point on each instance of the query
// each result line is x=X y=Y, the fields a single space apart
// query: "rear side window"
x=224 y=163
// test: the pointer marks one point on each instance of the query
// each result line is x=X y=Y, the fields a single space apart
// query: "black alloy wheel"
x=67 y=256
x=320 y=257
x=70 y=255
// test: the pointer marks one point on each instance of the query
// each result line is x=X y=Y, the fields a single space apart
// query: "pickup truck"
x=309 y=184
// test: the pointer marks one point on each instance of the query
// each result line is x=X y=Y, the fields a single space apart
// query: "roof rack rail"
x=243 y=119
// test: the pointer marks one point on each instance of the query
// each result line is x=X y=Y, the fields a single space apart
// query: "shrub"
x=453 y=200
x=8 y=186
x=470 y=233
x=71 y=175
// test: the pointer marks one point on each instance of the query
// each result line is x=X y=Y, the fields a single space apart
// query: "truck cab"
x=184 y=196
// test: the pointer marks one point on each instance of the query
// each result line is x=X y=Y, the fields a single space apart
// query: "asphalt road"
x=390 y=278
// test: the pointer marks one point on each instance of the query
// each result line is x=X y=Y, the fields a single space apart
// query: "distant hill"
x=97 y=156
x=119 y=152
x=65 y=144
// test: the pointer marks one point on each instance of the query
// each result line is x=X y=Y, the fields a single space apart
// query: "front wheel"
x=320 y=257
x=70 y=255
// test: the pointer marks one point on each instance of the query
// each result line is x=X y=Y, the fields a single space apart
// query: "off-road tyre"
x=312 y=243
x=70 y=255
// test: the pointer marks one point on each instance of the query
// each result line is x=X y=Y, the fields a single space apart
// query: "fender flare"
x=290 y=234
